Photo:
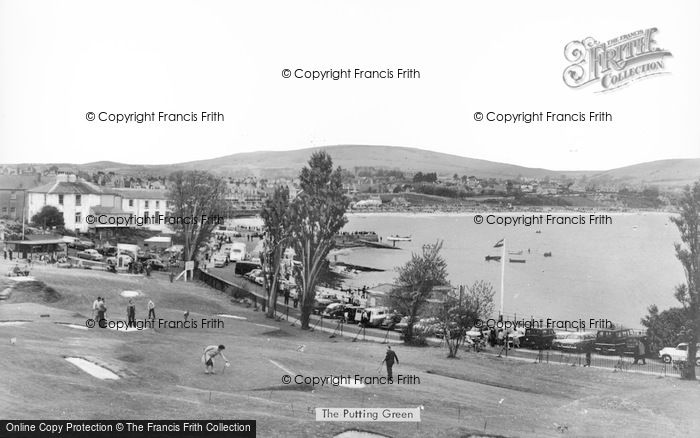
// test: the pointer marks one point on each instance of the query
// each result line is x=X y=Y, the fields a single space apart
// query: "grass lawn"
x=162 y=376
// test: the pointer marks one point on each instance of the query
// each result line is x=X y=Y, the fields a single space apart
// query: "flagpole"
x=503 y=274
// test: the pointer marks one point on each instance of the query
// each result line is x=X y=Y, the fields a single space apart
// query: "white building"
x=145 y=203
x=73 y=197
x=77 y=199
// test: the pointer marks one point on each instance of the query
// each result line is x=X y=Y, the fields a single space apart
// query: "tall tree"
x=461 y=312
x=317 y=214
x=194 y=196
x=664 y=328
x=48 y=217
x=276 y=230
x=688 y=252
x=415 y=283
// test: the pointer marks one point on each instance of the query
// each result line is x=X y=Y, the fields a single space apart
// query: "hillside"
x=663 y=172
x=350 y=156
x=672 y=173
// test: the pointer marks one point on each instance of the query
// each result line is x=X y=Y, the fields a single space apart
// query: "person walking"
x=131 y=314
x=95 y=308
x=588 y=357
x=210 y=353
x=639 y=353
x=101 y=311
x=389 y=359
x=286 y=296
x=151 y=310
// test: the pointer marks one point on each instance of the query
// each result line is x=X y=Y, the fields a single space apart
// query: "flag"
x=499 y=244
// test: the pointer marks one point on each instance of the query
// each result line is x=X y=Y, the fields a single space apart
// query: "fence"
x=618 y=363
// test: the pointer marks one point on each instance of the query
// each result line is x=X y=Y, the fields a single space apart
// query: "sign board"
x=189 y=266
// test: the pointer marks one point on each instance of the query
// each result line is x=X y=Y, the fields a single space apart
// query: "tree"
x=317 y=214
x=196 y=198
x=688 y=253
x=48 y=217
x=276 y=230
x=663 y=328
x=415 y=283
x=460 y=313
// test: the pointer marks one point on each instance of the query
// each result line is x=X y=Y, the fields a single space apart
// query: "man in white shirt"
x=210 y=353
x=95 y=306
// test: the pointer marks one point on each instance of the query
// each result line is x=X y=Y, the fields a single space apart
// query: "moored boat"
x=495 y=258
x=516 y=260
x=399 y=238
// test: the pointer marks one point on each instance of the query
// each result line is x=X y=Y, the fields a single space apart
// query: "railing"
x=617 y=363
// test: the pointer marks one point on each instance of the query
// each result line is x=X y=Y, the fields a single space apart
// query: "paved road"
x=227 y=274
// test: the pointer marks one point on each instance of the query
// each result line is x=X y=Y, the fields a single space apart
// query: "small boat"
x=516 y=252
x=548 y=254
x=516 y=260
x=538 y=232
x=399 y=238
x=495 y=258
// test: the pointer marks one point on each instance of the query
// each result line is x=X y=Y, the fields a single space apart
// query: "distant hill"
x=268 y=164
x=675 y=172
x=351 y=156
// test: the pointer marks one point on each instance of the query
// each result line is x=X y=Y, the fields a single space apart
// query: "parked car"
x=390 y=321
x=334 y=310
x=81 y=244
x=157 y=265
x=578 y=342
x=321 y=303
x=109 y=251
x=90 y=254
x=253 y=274
x=375 y=315
x=401 y=325
x=680 y=352
x=514 y=338
x=613 y=341
x=537 y=338
x=220 y=260
x=478 y=332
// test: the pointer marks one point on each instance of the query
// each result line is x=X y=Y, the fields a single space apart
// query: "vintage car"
x=679 y=353
x=90 y=254
x=577 y=342
x=615 y=341
x=537 y=338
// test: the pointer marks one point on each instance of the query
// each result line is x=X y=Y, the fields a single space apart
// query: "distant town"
x=24 y=190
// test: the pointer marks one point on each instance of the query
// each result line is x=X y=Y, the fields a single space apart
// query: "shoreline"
x=498 y=212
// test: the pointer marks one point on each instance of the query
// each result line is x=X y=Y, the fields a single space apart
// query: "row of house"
x=77 y=199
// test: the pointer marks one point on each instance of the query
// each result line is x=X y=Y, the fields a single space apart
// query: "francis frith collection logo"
x=614 y=63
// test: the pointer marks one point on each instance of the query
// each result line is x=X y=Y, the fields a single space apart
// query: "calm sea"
x=596 y=271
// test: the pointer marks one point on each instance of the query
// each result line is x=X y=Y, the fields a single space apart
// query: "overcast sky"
x=60 y=60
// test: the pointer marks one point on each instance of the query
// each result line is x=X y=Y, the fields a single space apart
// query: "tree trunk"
x=272 y=296
x=307 y=306
x=408 y=336
x=689 y=370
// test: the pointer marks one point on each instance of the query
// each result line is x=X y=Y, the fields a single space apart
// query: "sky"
x=61 y=60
